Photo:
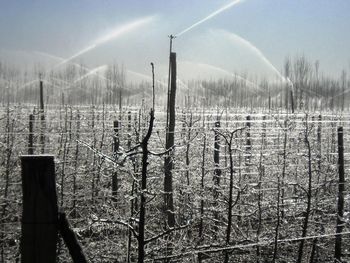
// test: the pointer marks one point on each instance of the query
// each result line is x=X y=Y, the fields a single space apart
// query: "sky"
x=251 y=37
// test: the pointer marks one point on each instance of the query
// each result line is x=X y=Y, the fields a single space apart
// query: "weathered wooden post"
x=76 y=158
x=129 y=130
x=263 y=130
x=292 y=100
x=41 y=96
x=217 y=170
x=42 y=118
x=40 y=212
x=248 y=142
x=116 y=144
x=319 y=153
x=340 y=205
x=62 y=99
x=116 y=141
x=31 y=135
x=170 y=137
x=248 y=124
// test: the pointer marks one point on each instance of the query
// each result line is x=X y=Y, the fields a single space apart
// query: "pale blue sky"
x=317 y=28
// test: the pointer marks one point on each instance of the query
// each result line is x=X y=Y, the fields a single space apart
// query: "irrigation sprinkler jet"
x=228 y=73
x=61 y=59
x=237 y=39
x=234 y=38
x=342 y=93
x=164 y=84
x=95 y=72
x=102 y=68
x=25 y=84
x=88 y=70
x=213 y=14
x=60 y=80
x=114 y=34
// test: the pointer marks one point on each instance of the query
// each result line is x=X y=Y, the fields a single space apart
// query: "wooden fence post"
x=248 y=142
x=41 y=91
x=129 y=130
x=116 y=144
x=217 y=169
x=31 y=135
x=42 y=118
x=340 y=205
x=170 y=137
x=40 y=212
x=292 y=100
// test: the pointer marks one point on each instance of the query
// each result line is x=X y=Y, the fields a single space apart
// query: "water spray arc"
x=94 y=71
x=228 y=73
x=164 y=84
x=114 y=34
x=86 y=69
x=237 y=39
x=244 y=42
x=210 y=16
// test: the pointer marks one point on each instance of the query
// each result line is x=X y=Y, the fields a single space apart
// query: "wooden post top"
x=37 y=156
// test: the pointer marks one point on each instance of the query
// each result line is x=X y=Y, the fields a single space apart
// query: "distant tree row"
x=308 y=88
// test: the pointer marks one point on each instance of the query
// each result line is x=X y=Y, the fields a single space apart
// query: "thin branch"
x=162 y=153
x=165 y=233
x=102 y=155
x=115 y=221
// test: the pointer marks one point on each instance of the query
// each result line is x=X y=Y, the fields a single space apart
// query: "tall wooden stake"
x=169 y=81
x=42 y=118
x=292 y=100
x=341 y=188
x=116 y=144
x=217 y=170
x=31 y=134
x=168 y=163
